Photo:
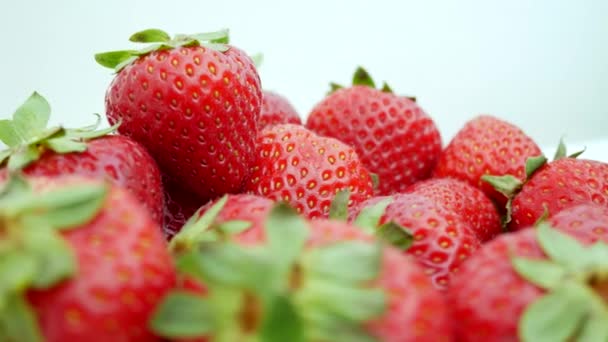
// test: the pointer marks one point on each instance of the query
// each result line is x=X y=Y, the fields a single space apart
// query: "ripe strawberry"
x=305 y=170
x=441 y=241
x=193 y=105
x=471 y=204
x=82 y=261
x=328 y=280
x=558 y=185
x=276 y=109
x=545 y=285
x=51 y=152
x=392 y=135
x=487 y=146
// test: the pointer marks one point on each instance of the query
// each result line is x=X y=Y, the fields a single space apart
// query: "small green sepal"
x=338 y=209
x=369 y=217
x=361 y=77
x=533 y=164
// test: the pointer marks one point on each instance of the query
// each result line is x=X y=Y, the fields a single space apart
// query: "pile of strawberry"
x=209 y=212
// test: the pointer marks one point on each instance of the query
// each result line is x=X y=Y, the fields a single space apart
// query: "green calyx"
x=575 y=277
x=561 y=151
x=33 y=254
x=27 y=135
x=277 y=291
x=362 y=78
x=159 y=40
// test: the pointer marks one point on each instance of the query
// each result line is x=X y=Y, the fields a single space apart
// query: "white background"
x=540 y=64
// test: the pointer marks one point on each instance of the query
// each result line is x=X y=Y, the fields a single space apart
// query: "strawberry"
x=305 y=170
x=81 y=261
x=50 y=152
x=180 y=205
x=441 y=241
x=558 y=185
x=392 y=135
x=276 y=109
x=473 y=206
x=300 y=281
x=487 y=146
x=545 y=284
x=193 y=102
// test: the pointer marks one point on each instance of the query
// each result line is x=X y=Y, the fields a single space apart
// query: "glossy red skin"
x=276 y=109
x=442 y=242
x=120 y=159
x=196 y=110
x=487 y=145
x=488 y=297
x=558 y=185
x=124 y=270
x=392 y=135
x=305 y=170
x=471 y=204
x=180 y=205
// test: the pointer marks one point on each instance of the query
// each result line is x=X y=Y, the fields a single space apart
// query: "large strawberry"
x=42 y=151
x=299 y=167
x=193 y=102
x=471 y=204
x=393 y=136
x=537 y=284
x=81 y=261
x=276 y=109
x=558 y=185
x=441 y=240
x=316 y=281
x=487 y=146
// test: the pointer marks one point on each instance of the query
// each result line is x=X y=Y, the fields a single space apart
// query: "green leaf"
x=333 y=87
x=31 y=117
x=595 y=327
x=150 y=36
x=4 y=156
x=18 y=321
x=560 y=247
x=233 y=227
x=281 y=322
x=386 y=88
x=287 y=232
x=220 y=37
x=577 y=153
x=375 y=180
x=257 y=59
x=506 y=185
x=533 y=164
x=8 y=135
x=91 y=133
x=556 y=316
x=396 y=235
x=67 y=207
x=113 y=59
x=339 y=206
x=125 y=63
x=54 y=257
x=182 y=315
x=561 y=150
x=362 y=78
x=24 y=156
x=369 y=217
x=328 y=327
x=543 y=273
x=17 y=269
x=65 y=145
x=359 y=304
x=217 y=47
x=196 y=225
x=347 y=261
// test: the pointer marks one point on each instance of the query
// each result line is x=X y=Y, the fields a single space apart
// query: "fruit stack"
x=208 y=211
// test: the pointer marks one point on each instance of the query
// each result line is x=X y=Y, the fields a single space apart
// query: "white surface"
x=539 y=64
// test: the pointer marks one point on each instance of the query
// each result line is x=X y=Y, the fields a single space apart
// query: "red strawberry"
x=57 y=151
x=441 y=241
x=97 y=281
x=474 y=207
x=276 y=109
x=392 y=135
x=316 y=297
x=487 y=146
x=297 y=166
x=558 y=185
x=497 y=279
x=193 y=105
